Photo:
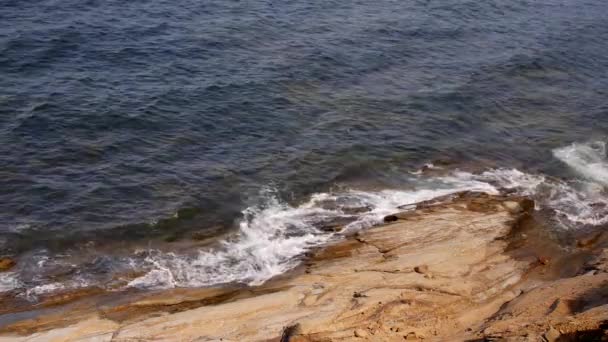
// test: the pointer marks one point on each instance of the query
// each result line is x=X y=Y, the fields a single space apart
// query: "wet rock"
x=200 y=236
x=599 y=263
x=507 y=191
x=527 y=205
x=473 y=195
x=361 y=333
x=356 y=210
x=407 y=206
x=588 y=241
x=336 y=224
x=432 y=202
x=187 y=213
x=443 y=162
x=69 y=296
x=6 y=264
x=171 y=238
x=209 y=233
x=390 y=218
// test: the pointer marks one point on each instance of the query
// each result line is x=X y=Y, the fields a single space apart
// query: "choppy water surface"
x=128 y=127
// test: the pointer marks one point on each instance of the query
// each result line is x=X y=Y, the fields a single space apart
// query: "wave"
x=9 y=281
x=270 y=235
x=588 y=160
x=583 y=201
x=273 y=235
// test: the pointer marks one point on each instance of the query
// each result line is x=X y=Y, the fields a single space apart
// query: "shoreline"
x=376 y=268
x=271 y=236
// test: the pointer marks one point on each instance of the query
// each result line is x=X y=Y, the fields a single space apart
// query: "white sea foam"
x=579 y=204
x=273 y=234
x=526 y=184
x=576 y=203
x=34 y=292
x=9 y=281
x=427 y=166
x=584 y=201
x=270 y=236
x=587 y=159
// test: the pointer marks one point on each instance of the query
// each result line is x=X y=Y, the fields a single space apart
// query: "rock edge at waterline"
x=445 y=271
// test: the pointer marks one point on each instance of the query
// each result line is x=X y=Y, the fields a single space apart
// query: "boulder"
x=390 y=218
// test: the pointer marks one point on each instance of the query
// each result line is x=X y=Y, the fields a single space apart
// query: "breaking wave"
x=583 y=201
x=274 y=235
x=588 y=160
x=9 y=281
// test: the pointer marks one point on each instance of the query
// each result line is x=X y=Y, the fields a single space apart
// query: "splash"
x=575 y=204
x=270 y=236
x=582 y=201
x=274 y=234
x=587 y=159
x=9 y=281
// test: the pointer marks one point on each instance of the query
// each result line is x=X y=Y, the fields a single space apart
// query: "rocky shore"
x=468 y=267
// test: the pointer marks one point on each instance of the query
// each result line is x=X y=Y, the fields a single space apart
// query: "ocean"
x=195 y=143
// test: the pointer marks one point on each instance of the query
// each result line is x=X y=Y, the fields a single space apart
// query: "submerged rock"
x=6 y=264
x=390 y=218
x=589 y=241
x=335 y=224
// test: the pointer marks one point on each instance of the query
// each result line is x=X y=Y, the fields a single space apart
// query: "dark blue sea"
x=208 y=142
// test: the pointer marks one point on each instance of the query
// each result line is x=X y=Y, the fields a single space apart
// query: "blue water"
x=137 y=120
